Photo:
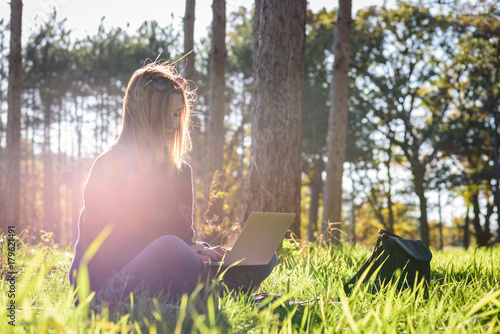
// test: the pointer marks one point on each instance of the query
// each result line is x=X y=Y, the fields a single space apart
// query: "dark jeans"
x=169 y=266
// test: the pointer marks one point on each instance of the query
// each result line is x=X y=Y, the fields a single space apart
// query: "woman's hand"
x=209 y=254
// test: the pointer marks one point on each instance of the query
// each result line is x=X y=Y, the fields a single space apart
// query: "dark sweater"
x=139 y=206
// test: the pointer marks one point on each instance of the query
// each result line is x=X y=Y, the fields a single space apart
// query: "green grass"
x=464 y=297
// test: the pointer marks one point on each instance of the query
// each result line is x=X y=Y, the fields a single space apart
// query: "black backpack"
x=392 y=254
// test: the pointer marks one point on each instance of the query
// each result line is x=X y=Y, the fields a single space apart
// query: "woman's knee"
x=172 y=252
x=167 y=242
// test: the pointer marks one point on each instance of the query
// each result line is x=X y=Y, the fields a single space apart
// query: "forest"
x=421 y=134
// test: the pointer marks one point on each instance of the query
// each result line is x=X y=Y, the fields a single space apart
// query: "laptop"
x=262 y=234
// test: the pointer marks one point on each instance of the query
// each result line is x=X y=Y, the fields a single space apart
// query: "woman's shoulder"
x=110 y=169
x=185 y=169
x=185 y=166
x=184 y=173
x=113 y=160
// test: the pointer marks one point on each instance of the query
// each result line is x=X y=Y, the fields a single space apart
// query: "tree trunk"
x=23 y=187
x=487 y=235
x=418 y=178
x=34 y=189
x=337 y=123
x=255 y=56
x=49 y=219
x=496 y=191
x=189 y=73
x=389 y=190
x=58 y=236
x=13 y=172
x=481 y=233
x=478 y=231
x=467 y=229
x=353 y=215
x=441 y=245
x=316 y=186
x=215 y=124
x=77 y=191
x=255 y=40
x=189 y=69
x=275 y=169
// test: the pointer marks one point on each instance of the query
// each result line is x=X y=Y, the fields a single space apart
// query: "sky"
x=84 y=16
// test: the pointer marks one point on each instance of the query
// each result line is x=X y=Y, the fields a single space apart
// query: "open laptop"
x=262 y=234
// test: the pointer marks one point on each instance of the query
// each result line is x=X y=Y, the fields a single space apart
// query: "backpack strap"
x=382 y=232
x=376 y=252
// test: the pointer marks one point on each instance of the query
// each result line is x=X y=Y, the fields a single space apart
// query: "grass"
x=464 y=297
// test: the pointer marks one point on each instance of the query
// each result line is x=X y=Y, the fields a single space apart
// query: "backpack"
x=394 y=254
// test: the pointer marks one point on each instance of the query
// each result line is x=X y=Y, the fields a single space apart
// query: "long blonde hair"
x=146 y=105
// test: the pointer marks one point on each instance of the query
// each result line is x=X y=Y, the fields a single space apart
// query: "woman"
x=142 y=190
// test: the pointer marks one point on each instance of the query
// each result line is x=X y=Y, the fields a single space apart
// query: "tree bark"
x=215 y=124
x=58 y=230
x=255 y=39
x=189 y=69
x=275 y=169
x=475 y=220
x=418 y=176
x=77 y=191
x=487 y=234
x=337 y=123
x=316 y=187
x=389 y=190
x=13 y=172
x=440 y=211
x=49 y=215
x=34 y=188
x=467 y=229
x=496 y=191
x=482 y=234
x=189 y=73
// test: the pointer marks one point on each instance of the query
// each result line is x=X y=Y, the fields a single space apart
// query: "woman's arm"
x=207 y=253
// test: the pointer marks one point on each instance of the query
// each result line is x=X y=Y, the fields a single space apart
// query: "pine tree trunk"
x=478 y=232
x=389 y=190
x=316 y=187
x=13 y=172
x=215 y=124
x=189 y=70
x=34 y=188
x=275 y=168
x=418 y=175
x=255 y=55
x=440 y=211
x=255 y=40
x=58 y=236
x=189 y=73
x=77 y=191
x=337 y=123
x=496 y=190
x=49 y=219
x=467 y=229
x=487 y=234
x=23 y=187
x=482 y=233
